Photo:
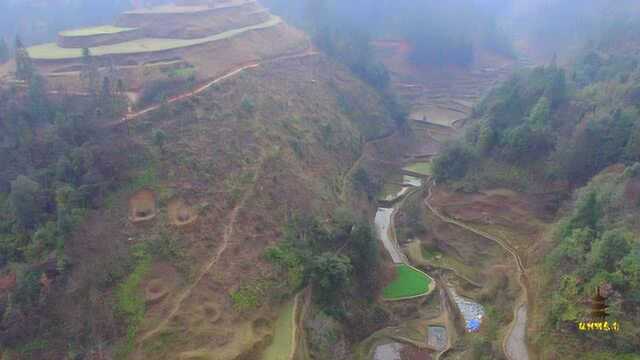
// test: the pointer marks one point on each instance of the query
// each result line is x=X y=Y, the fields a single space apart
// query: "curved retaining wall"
x=98 y=40
x=194 y=25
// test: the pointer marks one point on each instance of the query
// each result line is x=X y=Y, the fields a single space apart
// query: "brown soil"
x=162 y=281
x=632 y=192
x=442 y=95
x=250 y=179
x=247 y=48
x=414 y=353
x=194 y=24
x=7 y=282
x=520 y=219
x=142 y=206
x=180 y=213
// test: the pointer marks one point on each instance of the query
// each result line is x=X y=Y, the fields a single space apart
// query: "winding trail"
x=349 y=174
x=514 y=345
x=485 y=235
x=230 y=226
x=226 y=240
x=130 y=116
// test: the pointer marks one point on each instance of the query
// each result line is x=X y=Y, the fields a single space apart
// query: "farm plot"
x=282 y=345
x=51 y=51
x=96 y=30
x=408 y=283
x=422 y=168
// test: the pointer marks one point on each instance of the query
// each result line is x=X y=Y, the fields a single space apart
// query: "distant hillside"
x=572 y=133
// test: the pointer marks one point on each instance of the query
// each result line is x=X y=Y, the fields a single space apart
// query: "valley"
x=435 y=103
x=270 y=180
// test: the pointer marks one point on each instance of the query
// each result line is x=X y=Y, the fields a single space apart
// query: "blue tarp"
x=473 y=325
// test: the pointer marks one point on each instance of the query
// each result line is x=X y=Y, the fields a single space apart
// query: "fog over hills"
x=319 y=179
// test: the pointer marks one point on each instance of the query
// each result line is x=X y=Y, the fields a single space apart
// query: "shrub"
x=452 y=163
x=130 y=302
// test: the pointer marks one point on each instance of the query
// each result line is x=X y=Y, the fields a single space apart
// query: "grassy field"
x=423 y=168
x=280 y=348
x=51 y=51
x=96 y=30
x=437 y=115
x=389 y=191
x=407 y=283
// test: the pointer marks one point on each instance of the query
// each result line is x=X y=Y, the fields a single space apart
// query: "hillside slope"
x=563 y=133
x=212 y=181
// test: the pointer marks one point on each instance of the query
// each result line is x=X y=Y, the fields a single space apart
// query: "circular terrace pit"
x=180 y=213
x=142 y=206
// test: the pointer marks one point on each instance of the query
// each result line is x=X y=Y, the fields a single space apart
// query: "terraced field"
x=96 y=30
x=443 y=96
x=283 y=335
x=408 y=283
x=422 y=168
x=51 y=51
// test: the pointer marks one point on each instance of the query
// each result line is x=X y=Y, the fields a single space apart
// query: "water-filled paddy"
x=408 y=282
x=437 y=337
x=390 y=351
x=409 y=180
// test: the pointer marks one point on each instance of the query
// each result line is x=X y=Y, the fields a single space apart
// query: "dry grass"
x=51 y=51
x=142 y=206
x=213 y=156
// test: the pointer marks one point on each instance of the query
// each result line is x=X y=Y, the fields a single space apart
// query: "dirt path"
x=485 y=235
x=294 y=325
x=226 y=240
x=310 y=51
x=515 y=347
x=349 y=174
x=515 y=343
x=196 y=91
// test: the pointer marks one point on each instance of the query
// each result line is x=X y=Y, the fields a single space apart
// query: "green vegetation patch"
x=422 y=168
x=408 y=282
x=96 y=30
x=51 y=51
x=282 y=343
x=389 y=191
x=130 y=302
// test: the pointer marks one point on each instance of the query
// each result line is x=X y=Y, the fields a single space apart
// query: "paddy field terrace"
x=198 y=39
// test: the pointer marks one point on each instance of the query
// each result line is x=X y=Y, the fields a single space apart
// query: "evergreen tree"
x=24 y=66
x=39 y=107
x=539 y=117
x=159 y=139
x=90 y=73
x=25 y=201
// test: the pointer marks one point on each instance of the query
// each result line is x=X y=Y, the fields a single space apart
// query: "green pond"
x=408 y=282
